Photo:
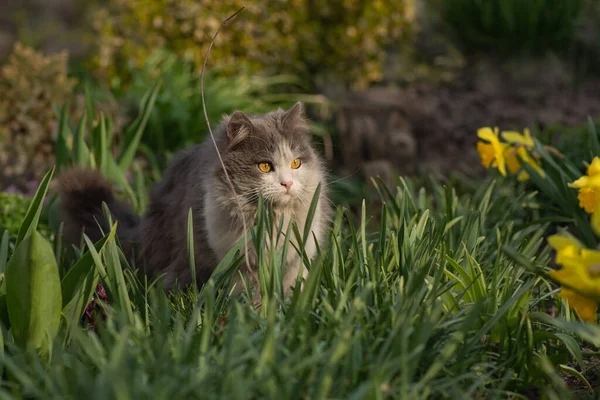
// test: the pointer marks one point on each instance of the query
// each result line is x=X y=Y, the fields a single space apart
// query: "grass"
x=421 y=303
x=421 y=291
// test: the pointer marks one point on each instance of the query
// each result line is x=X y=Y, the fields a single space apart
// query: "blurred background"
x=391 y=87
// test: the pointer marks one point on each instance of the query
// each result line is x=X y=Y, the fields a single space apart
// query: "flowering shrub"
x=30 y=84
x=272 y=36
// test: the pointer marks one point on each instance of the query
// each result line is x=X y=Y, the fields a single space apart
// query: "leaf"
x=578 y=375
x=4 y=318
x=90 y=110
x=32 y=217
x=101 y=145
x=63 y=155
x=114 y=270
x=140 y=190
x=573 y=347
x=594 y=142
x=4 y=252
x=190 y=249
x=80 y=149
x=33 y=295
x=134 y=133
x=79 y=283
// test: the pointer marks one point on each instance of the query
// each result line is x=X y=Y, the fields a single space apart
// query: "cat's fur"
x=195 y=179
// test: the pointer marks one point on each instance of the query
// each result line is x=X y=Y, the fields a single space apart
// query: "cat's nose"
x=287 y=184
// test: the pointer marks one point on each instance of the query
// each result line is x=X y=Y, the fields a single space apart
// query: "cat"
x=267 y=155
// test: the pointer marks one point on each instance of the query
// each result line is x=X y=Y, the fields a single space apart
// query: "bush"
x=177 y=119
x=508 y=27
x=301 y=37
x=30 y=84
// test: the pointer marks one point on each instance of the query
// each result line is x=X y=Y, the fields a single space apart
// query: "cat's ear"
x=293 y=118
x=239 y=127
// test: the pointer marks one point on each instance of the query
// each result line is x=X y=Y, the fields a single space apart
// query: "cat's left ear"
x=294 y=118
x=239 y=127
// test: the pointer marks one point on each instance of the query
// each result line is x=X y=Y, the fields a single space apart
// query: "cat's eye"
x=296 y=163
x=265 y=167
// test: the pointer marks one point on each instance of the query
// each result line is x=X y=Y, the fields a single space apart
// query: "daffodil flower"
x=520 y=144
x=578 y=274
x=589 y=187
x=492 y=150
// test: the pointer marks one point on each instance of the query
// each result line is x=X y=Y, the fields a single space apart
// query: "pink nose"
x=287 y=185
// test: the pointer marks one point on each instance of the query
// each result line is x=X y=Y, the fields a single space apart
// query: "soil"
x=444 y=118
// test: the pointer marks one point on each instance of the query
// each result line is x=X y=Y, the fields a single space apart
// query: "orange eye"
x=265 y=167
x=296 y=163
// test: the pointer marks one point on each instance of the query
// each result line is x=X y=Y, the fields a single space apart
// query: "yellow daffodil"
x=513 y=137
x=492 y=150
x=520 y=145
x=578 y=274
x=585 y=307
x=589 y=187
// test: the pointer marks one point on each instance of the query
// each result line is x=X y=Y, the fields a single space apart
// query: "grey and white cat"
x=268 y=155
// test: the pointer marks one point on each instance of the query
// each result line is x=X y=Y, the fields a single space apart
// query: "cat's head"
x=271 y=155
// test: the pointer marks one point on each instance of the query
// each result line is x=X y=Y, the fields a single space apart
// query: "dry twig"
x=229 y=182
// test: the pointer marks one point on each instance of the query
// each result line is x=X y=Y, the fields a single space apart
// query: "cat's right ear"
x=239 y=127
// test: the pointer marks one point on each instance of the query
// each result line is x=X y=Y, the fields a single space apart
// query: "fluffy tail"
x=82 y=192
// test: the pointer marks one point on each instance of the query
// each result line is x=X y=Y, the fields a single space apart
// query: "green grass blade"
x=594 y=141
x=101 y=145
x=30 y=222
x=81 y=152
x=190 y=249
x=3 y=252
x=79 y=283
x=134 y=137
x=63 y=155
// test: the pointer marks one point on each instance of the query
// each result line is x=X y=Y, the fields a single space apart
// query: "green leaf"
x=79 y=283
x=114 y=271
x=572 y=371
x=190 y=249
x=101 y=145
x=80 y=149
x=573 y=347
x=4 y=252
x=594 y=142
x=140 y=190
x=63 y=155
x=33 y=295
x=133 y=136
x=32 y=217
x=4 y=318
x=90 y=110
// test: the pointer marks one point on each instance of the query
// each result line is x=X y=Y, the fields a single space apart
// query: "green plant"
x=427 y=305
x=94 y=144
x=507 y=27
x=31 y=84
x=177 y=118
x=13 y=208
x=311 y=40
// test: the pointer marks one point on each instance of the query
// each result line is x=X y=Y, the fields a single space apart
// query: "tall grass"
x=421 y=303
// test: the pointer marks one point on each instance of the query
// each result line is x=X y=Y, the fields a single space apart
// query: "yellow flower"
x=513 y=137
x=492 y=152
x=521 y=144
x=585 y=307
x=512 y=162
x=578 y=275
x=589 y=187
